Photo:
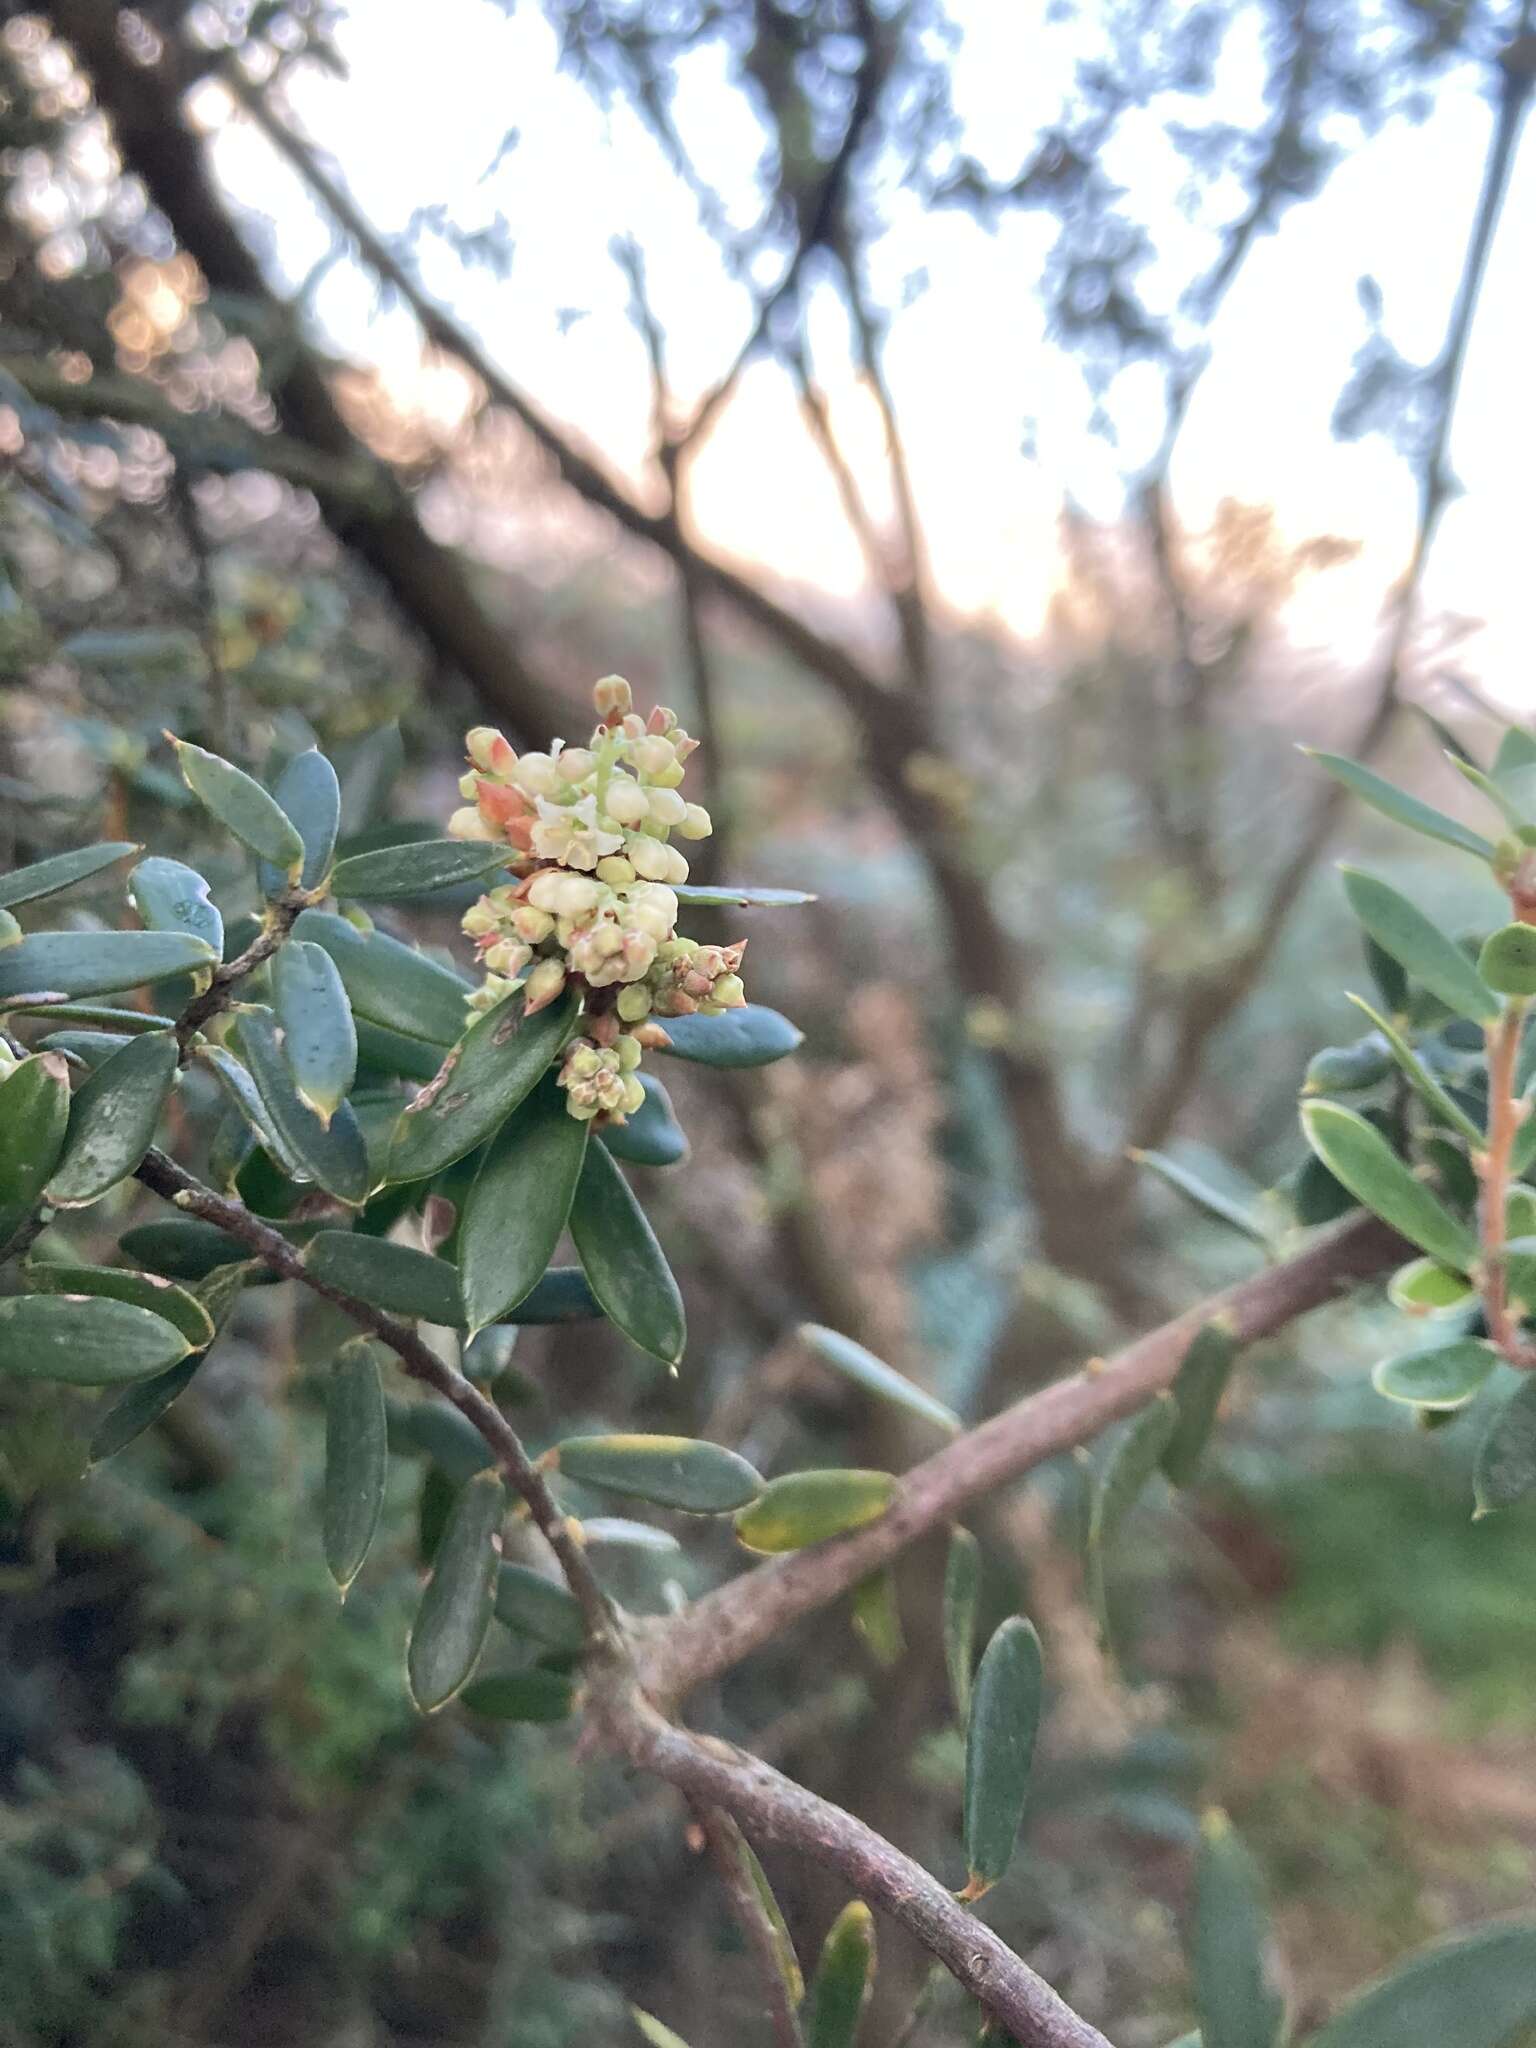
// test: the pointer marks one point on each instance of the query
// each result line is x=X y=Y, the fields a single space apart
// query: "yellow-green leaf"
x=1402 y=808
x=809 y=1507
x=1447 y=1376
x=877 y=1617
x=1507 y=962
x=160 y=1296
x=845 y=1975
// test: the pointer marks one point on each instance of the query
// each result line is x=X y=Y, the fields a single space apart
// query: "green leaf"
x=1402 y=808
x=392 y=1053
x=786 y=1962
x=1348 y=1069
x=432 y=1429
x=309 y=796
x=105 y=1017
x=1447 y=1376
x=235 y=1078
x=962 y=1597
x=140 y=1408
x=113 y=1119
x=1238 y=2005
x=809 y=1507
x=1504 y=801
x=1202 y=1380
x=532 y=1605
x=655 y=2034
x=34 y=1115
x=62 y=871
x=242 y=806
x=619 y=1254
x=876 y=1377
x=172 y=898
x=740 y=896
x=750 y=1036
x=650 y=1135
x=621 y=1534
x=455 y=1610
x=184 y=1248
x=1423 y=1289
x=1359 y=1156
x=1000 y=1750
x=1391 y=982
x=1215 y=1201
x=519 y=1204
x=522 y=1696
x=1432 y=960
x=498 y=1062
x=162 y=1297
x=85 y=1340
x=1317 y=1197
x=1476 y=1990
x=356 y=1460
x=1517 y=750
x=98 y=963
x=319 y=1037
x=390 y=984
x=416 y=869
x=1127 y=1465
x=877 y=1617
x=393 y=1277
x=1505 y=1470
x=668 y=1471
x=10 y=930
x=89 y=1049
x=845 y=1976
x=564 y=1295
x=1421 y=1079
x=332 y=1154
x=1507 y=962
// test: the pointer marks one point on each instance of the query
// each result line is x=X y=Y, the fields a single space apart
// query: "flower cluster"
x=594 y=906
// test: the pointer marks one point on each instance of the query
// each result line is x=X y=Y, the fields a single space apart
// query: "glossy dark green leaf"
x=531 y=1605
x=433 y=1429
x=172 y=898
x=319 y=1037
x=845 y=1975
x=962 y=1599
x=243 y=807
x=1402 y=808
x=1129 y=1462
x=392 y=1053
x=1505 y=1470
x=107 y=1017
x=393 y=1277
x=1507 y=962
x=1447 y=1376
x=750 y=1036
x=1348 y=1069
x=650 y=1135
x=309 y=796
x=238 y=1084
x=1423 y=1082
x=61 y=871
x=1357 y=1155
x=809 y=1507
x=1476 y=1990
x=623 y=1262
x=415 y=869
x=153 y=1291
x=1221 y=1202
x=1431 y=959
x=668 y=1471
x=564 y=1295
x=391 y=985
x=334 y=1154
x=34 y=1115
x=877 y=1617
x=84 y=1339
x=184 y=1248
x=498 y=1063
x=1202 y=1380
x=865 y=1370
x=1000 y=1750
x=519 y=1204
x=456 y=1608
x=113 y=1119
x=1391 y=982
x=1425 y=1290
x=1239 y=2006
x=97 y=963
x=140 y=1407
x=740 y=896
x=1317 y=1197
x=522 y=1696
x=89 y=1049
x=356 y=1460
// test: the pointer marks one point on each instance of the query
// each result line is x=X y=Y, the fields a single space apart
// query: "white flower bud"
x=575 y=895
x=479 y=919
x=468 y=824
x=544 y=890
x=535 y=775
x=575 y=764
x=634 y=1003
x=677 y=866
x=729 y=992
x=626 y=802
x=696 y=822
x=508 y=956
x=648 y=856
x=653 y=755
x=667 y=807
x=543 y=985
x=532 y=926
x=469 y=787
x=615 y=870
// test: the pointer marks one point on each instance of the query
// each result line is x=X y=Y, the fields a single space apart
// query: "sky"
x=421 y=117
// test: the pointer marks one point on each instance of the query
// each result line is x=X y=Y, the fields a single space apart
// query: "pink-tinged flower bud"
x=633 y=727
x=671 y=1002
x=729 y=992
x=468 y=824
x=532 y=926
x=576 y=763
x=696 y=822
x=490 y=751
x=653 y=755
x=677 y=867
x=536 y=774
x=683 y=746
x=651 y=1036
x=626 y=802
x=634 y=1003
x=667 y=807
x=662 y=720
x=507 y=956
x=615 y=870
x=647 y=856
x=480 y=919
x=604 y=1029
x=613 y=698
x=634 y=1094
x=544 y=983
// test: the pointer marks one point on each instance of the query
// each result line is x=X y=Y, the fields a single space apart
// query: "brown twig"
x=1506 y=1113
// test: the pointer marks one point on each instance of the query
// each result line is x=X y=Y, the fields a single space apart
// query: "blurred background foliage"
x=1090 y=849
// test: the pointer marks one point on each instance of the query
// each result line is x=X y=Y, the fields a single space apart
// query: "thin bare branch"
x=724 y=1841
